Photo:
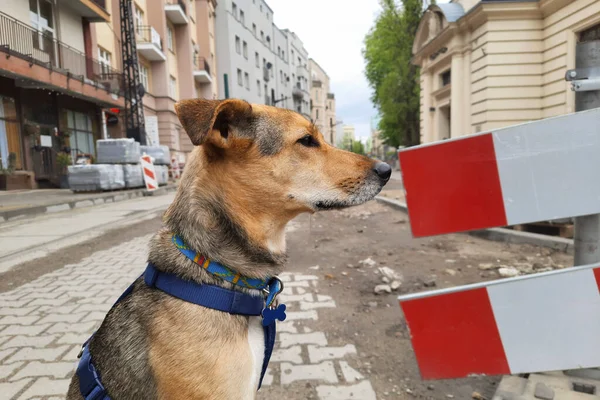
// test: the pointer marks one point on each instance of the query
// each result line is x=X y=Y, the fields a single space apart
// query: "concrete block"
x=317 y=354
x=350 y=374
x=318 y=372
x=543 y=392
x=360 y=391
x=290 y=339
x=292 y=355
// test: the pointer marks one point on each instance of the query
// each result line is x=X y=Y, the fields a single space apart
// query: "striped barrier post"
x=149 y=173
x=539 y=171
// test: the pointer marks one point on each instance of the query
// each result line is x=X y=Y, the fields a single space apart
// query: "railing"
x=200 y=64
x=147 y=34
x=181 y=4
x=101 y=3
x=20 y=40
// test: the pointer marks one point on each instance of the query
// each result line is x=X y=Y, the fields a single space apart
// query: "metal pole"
x=587 y=228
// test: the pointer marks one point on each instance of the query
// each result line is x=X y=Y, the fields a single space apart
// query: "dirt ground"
x=337 y=240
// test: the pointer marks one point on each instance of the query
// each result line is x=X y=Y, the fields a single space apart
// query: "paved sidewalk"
x=43 y=323
x=25 y=240
x=28 y=203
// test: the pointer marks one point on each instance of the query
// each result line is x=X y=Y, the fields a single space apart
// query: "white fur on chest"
x=256 y=341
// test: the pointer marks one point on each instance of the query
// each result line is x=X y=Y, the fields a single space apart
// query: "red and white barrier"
x=539 y=171
x=542 y=322
x=149 y=173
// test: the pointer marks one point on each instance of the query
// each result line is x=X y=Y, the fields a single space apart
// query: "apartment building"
x=323 y=102
x=53 y=87
x=257 y=61
x=175 y=42
x=349 y=136
x=492 y=63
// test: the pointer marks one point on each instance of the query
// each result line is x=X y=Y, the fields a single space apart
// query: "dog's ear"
x=211 y=120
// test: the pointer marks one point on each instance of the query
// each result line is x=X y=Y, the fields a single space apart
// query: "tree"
x=391 y=75
x=358 y=147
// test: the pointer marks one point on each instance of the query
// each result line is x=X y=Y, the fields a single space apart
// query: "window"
x=262 y=36
x=261 y=8
x=254 y=29
x=247 y=80
x=446 y=78
x=257 y=60
x=172 y=87
x=283 y=55
x=41 y=15
x=299 y=61
x=237 y=45
x=82 y=134
x=170 y=39
x=234 y=10
x=258 y=87
x=317 y=110
x=144 y=76
x=245 y=50
x=242 y=17
x=239 y=74
x=293 y=57
x=281 y=76
x=104 y=59
x=278 y=50
x=317 y=96
x=138 y=18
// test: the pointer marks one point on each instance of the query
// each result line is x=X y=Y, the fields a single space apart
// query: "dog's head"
x=274 y=158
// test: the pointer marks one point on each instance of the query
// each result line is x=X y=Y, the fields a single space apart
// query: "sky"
x=333 y=34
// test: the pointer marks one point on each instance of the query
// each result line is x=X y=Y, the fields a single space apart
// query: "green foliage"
x=358 y=147
x=12 y=162
x=391 y=75
x=63 y=160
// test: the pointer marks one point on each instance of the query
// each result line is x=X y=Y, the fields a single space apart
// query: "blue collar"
x=218 y=269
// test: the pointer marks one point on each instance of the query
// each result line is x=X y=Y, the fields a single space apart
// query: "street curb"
x=101 y=198
x=502 y=234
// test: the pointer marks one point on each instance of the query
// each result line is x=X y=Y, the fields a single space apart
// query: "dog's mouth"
x=329 y=205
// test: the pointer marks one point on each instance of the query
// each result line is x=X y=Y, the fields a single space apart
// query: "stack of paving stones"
x=44 y=322
x=95 y=177
x=581 y=384
x=161 y=158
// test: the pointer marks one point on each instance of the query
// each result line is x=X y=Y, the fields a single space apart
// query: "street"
x=340 y=340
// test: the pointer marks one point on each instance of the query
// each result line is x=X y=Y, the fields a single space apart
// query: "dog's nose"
x=383 y=171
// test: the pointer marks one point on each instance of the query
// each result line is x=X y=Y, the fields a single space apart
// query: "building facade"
x=53 y=87
x=323 y=102
x=489 y=64
x=176 y=52
x=349 y=136
x=257 y=61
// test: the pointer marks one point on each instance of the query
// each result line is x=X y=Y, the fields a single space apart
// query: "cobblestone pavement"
x=44 y=322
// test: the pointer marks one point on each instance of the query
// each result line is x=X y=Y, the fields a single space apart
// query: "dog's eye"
x=308 y=141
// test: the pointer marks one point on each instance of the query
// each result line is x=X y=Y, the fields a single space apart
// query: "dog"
x=253 y=169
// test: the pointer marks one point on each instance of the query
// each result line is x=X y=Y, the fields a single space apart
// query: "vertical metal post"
x=587 y=228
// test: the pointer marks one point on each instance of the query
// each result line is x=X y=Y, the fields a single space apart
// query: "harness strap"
x=209 y=296
x=89 y=381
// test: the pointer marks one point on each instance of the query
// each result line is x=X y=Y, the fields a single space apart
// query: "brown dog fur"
x=254 y=169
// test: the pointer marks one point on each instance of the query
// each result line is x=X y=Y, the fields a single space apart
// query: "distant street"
x=341 y=340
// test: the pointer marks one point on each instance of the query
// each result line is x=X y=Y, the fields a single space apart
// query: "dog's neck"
x=208 y=227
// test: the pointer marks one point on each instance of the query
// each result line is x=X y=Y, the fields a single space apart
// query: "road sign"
x=541 y=322
x=538 y=171
x=149 y=173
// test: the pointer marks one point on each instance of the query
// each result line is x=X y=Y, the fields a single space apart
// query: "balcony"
x=149 y=43
x=317 y=83
x=202 y=70
x=40 y=48
x=92 y=10
x=297 y=91
x=330 y=96
x=176 y=12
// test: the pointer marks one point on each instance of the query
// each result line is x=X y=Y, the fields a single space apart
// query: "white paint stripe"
x=551 y=323
x=544 y=275
x=549 y=168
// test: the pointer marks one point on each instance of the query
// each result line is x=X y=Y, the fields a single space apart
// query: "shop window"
x=10 y=136
x=82 y=134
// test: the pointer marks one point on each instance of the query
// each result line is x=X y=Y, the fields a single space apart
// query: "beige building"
x=349 y=136
x=322 y=101
x=53 y=87
x=175 y=42
x=492 y=63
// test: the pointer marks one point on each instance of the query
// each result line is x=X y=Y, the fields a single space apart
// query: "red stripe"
x=453 y=186
x=455 y=335
x=597 y=275
x=150 y=186
x=149 y=173
x=147 y=159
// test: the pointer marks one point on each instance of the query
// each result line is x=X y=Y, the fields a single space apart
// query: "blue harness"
x=210 y=296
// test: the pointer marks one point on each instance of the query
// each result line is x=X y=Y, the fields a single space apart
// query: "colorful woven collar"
x=217 y=269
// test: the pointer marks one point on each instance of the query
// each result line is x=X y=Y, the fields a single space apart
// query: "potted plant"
x=6 y=172
x=63 y=160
